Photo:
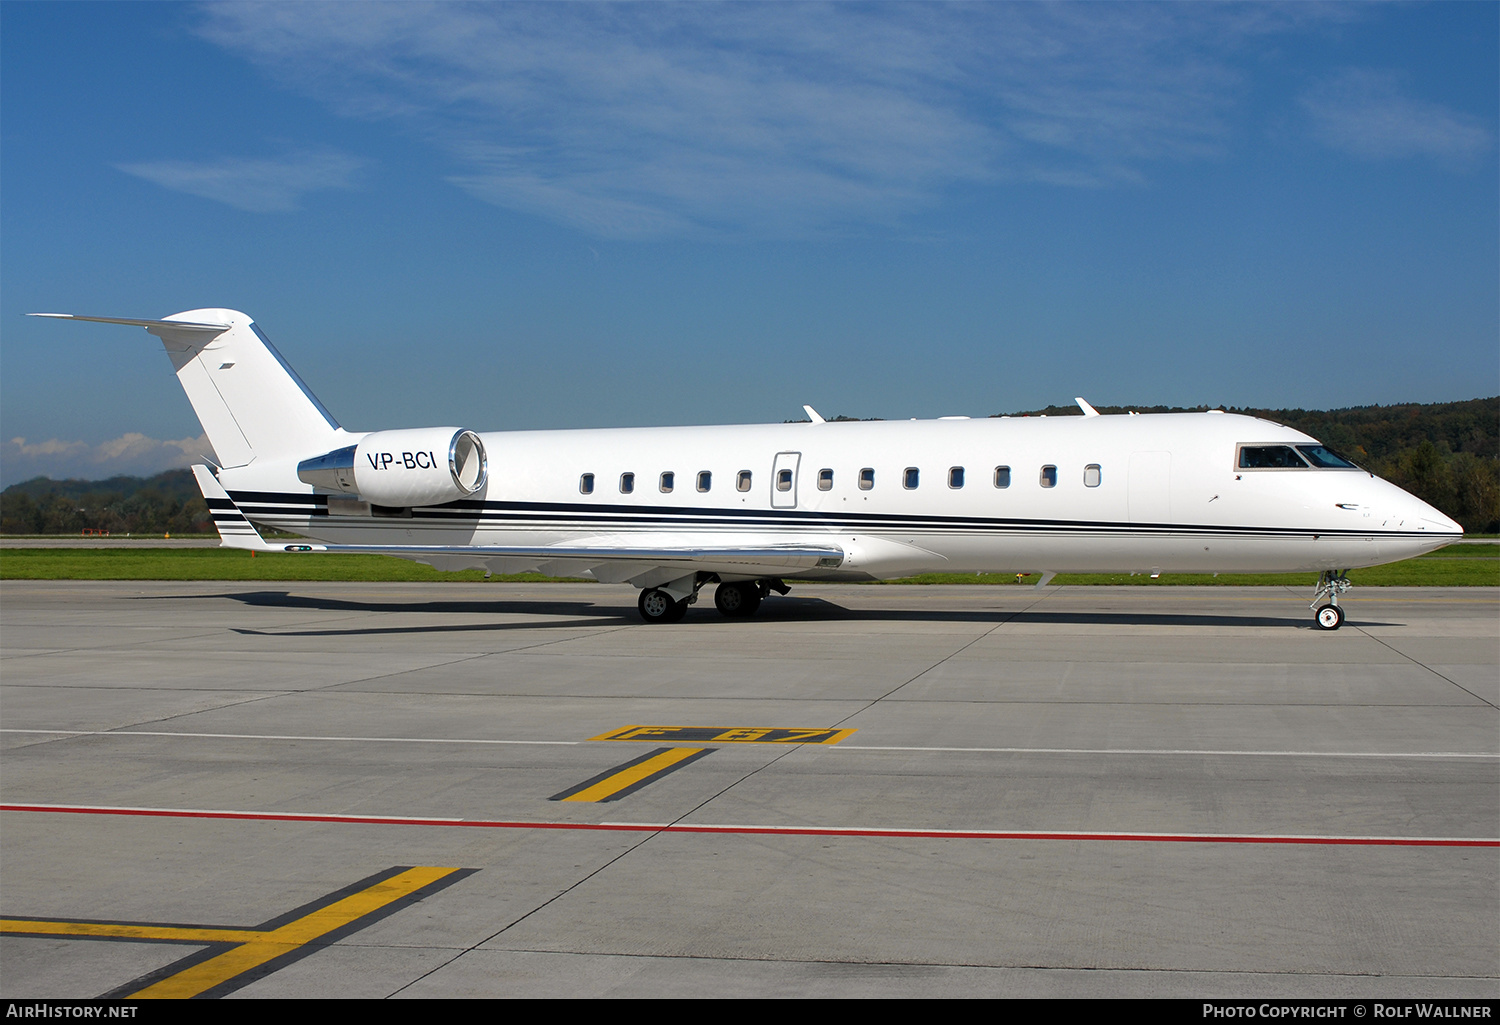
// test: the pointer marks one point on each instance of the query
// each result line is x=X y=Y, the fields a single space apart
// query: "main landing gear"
x=738 y=599
x=1330 y=585
x=657 y=606
x=734 y=599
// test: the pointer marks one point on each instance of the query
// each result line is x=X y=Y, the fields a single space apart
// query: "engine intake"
x=430 y=466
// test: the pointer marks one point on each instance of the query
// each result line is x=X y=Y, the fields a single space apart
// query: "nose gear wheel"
x=1330 y=585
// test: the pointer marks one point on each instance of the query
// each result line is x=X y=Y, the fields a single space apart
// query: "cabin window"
x=866 y=479
x=910 y=478
x=586 y=484
x=825 y=480
x=705 y=480
x=1049 y=476
x=668 y=479
x=1002 y=476
x=783 y=480
x=742 y=481
x=955 y=476
x=1091 y=475
x=1269 y=457
x=627 y=483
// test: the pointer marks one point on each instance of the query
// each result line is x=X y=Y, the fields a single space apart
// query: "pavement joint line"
x=587 y=876
x=1092 y=968
x=250 y=700
x=400 y=672
x=836 y=725
x=1010 y=617
x=1142 y=751
x=485 y=627
x=117 y=645
x=234 y=957
x=882 y=832
x=1429 y=668
x=1180 y=751
x=292 y=737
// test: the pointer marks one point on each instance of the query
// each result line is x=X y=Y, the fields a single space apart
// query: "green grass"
x=1457 y=566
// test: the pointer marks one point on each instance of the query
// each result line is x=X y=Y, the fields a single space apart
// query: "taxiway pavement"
x=1152 y=791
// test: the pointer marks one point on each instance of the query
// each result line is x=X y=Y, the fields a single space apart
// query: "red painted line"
x=652 y=827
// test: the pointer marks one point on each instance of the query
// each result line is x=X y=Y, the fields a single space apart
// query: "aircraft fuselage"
x=1139 y=494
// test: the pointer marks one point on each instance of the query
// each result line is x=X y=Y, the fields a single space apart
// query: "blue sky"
x=513 y=215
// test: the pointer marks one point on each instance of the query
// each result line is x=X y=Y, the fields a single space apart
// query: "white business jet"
x=747 y=508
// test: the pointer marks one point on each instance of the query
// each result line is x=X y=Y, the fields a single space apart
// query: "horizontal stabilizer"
x=160 y=325
x=252 y=405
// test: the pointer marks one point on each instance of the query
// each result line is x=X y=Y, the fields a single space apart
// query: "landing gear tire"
x=737 y=600
x=657 y=606
x=1329 y=617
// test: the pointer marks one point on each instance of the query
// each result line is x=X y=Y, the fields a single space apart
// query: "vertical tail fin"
x=252 y=405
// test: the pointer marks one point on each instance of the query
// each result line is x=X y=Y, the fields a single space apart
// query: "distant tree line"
x=167 y=503
x=1445 y=453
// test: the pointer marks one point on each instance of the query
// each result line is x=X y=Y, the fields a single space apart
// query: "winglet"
x=1088 y=410
x=812 y=414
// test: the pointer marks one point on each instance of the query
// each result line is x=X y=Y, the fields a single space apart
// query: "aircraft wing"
x=604 y=561
x=643 y=561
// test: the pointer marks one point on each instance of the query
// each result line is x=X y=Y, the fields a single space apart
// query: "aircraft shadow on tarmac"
x=573 y=614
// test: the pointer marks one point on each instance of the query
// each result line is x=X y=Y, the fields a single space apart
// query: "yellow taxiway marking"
x=252 y=948
x=121 y=931
x=727 y=734
x=613 y=784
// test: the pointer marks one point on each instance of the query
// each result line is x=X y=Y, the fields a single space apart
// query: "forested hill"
x=167 y=503
x=1447 y=453
x=1363 y=433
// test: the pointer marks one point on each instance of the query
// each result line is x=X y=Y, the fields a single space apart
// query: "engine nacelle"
x=429 y=466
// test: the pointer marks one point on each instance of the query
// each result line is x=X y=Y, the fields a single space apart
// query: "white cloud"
x=772 y=119
x=255 y=184
x=133 y=454
x=1365 y=113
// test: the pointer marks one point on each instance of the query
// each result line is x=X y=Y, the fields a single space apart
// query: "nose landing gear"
x=1331 y=584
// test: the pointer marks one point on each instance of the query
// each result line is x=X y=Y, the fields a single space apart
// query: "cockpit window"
x=1269 y=457
x=1325 y=458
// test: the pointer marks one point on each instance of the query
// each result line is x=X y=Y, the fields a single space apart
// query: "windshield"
x=1325 y=458
x=1270 y=457
x=1289 y=457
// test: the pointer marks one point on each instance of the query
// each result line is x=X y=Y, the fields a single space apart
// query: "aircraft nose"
x=1419 y=517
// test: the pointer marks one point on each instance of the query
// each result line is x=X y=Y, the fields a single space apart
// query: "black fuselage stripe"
x=571 y=516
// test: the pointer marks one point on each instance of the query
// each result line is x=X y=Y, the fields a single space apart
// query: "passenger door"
x=784 y=480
